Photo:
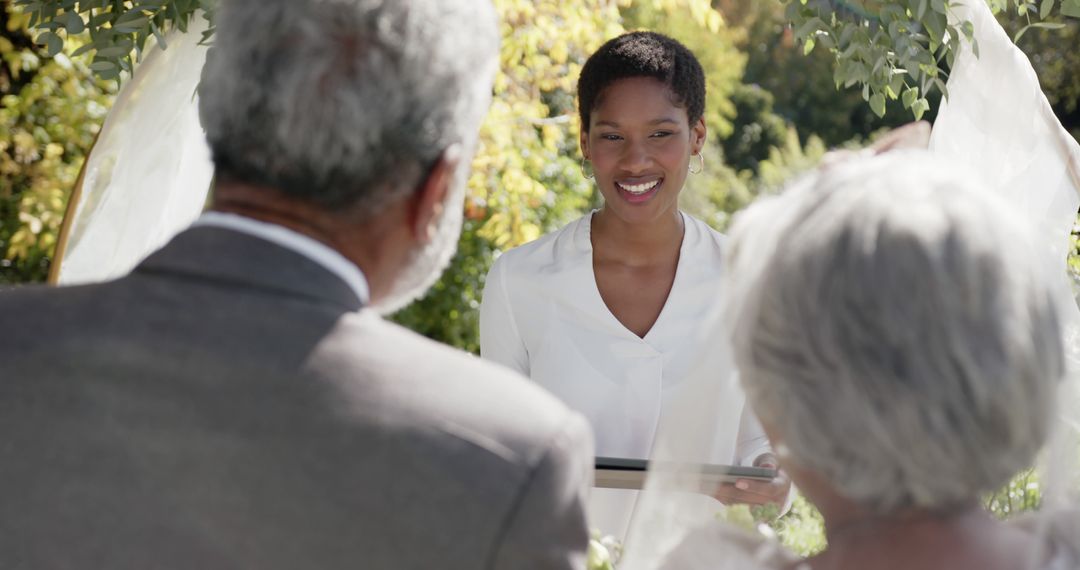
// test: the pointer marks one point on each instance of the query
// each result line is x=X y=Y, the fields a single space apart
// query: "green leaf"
x=102 y=66
x=52 y=42
x=935 y=27
x=113 y=51
x=132 y=26
x=938 y=6
x=1048 y=25
x=1070 y=8
x=910 y=95
x=942 y=87
x=846 y=35
x=896 y=84
x=112 y=73
x=100 y=18
x=1046 y=9
x=920 y=108
x=968 y=30
x=1044 y=25
x=809 y=27
x=808 y=45
x=923 y=5
x=877 y=104
x=73 y=23
x=82 y=49
x=134 y=17
x=158 y=36
x=891 y=13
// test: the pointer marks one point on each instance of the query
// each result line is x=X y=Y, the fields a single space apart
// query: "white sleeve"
x=499 y=338
x=752 y=441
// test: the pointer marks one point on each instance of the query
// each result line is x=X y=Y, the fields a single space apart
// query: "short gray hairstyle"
x=891 y=325
x=345 y=103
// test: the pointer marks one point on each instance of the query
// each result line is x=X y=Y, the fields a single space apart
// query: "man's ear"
x=430 y=198
x=698 y=133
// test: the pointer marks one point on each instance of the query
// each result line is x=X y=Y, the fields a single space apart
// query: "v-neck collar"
x=584 y=242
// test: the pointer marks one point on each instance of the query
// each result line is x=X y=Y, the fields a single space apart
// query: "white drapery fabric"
x=149 y=173
x=997 y=122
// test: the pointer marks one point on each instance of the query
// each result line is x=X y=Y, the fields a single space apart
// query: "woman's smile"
x=638 y=192
x=639 y=144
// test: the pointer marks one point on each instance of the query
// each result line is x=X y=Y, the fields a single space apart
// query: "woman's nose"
x=635 y=158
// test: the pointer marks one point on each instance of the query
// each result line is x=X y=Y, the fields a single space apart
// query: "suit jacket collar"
x=234 y=258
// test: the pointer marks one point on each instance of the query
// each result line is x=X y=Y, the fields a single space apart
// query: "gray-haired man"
x=233 y=403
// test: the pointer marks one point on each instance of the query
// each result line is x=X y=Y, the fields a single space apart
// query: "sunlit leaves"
x=118 y=30
x=894 y=47
x=49 y=120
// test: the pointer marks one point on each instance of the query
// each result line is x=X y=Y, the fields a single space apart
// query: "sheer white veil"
x=149 y=172
x=997 y=122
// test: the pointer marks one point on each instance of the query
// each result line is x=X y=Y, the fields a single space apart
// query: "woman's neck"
x=637 y=244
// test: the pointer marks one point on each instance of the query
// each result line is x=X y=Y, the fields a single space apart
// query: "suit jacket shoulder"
x=237 y=411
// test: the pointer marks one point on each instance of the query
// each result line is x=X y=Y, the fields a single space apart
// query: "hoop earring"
x=701 y=162
x=588 y=176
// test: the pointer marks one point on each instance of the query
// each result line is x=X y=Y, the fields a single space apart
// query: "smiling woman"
x=604 y=312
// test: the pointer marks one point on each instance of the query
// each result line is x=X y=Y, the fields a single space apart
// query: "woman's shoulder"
x=570 y=241
x=703 y=233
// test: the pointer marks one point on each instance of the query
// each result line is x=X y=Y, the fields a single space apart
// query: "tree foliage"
x=117 y=30
x=800 y=86
x=900 y=50
x=50 y=111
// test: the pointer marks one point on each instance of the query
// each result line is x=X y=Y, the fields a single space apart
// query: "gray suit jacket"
x=229 y=405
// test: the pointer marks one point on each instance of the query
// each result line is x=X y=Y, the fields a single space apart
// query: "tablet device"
x=624 y=473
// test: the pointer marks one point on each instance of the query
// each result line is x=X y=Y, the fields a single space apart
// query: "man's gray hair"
x=891 y=326
x=346 y=103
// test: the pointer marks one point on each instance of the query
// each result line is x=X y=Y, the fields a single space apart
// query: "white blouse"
x=543 y=316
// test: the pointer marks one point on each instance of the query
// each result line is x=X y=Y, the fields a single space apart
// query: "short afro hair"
x=643 y=54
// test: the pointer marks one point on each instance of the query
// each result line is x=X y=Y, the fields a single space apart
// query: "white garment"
x=543 y=316
x=310 y=248
x=149 y=172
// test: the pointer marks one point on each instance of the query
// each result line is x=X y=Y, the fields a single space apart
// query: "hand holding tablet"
x=622 y=473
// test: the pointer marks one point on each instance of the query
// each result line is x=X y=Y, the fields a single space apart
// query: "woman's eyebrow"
x=661 y=120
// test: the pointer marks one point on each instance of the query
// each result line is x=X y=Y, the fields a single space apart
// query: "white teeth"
x=639 y=188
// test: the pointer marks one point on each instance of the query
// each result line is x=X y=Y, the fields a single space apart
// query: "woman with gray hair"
x=901 y=347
